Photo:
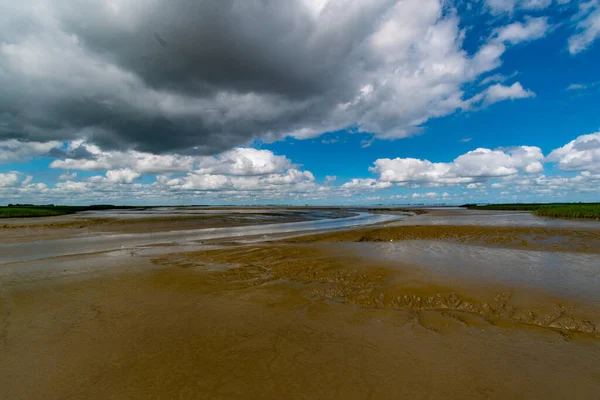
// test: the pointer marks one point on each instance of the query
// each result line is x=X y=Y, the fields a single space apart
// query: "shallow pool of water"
x=574 y=275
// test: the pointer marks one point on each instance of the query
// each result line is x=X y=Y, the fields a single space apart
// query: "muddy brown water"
x=446 y=312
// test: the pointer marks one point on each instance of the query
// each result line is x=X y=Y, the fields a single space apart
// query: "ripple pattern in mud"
x=334 y=279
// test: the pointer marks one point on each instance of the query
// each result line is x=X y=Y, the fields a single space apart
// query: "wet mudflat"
x=98 y=223
x=382 y=312
x=30 y=247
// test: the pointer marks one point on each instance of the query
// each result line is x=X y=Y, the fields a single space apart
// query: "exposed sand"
x=298 y=319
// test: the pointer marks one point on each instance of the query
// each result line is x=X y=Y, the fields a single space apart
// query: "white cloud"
x=588 y=27
x=518 y=32
x=290 y=181
x=485 y=162
x=581 y=154
x=95 y=159
x=239 y=173
x=508 y=6
x=586 y=182
x=499 y=92
x=68 y=187
x=517 y=171
x=403 y=170
x=124 y=175
x=9 y=179
x=489 y=57
x=16 y=186
x=429 y=195
x=239 y=161
x=366 y=184
x=67 y=176
x=492 y=78
x=204 y=182
x=289 y=177
x=582 y=87
x=244 y=161
x=474 y=166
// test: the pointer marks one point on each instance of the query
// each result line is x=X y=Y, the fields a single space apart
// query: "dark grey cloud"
x=191 y=76
x=264 y=46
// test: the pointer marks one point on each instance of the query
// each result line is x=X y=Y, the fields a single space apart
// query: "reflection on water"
x=15 y=252
x=572 y=274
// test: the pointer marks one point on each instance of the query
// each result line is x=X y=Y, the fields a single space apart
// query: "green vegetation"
x=31 y=210
x=571 y=211
x=556 y=210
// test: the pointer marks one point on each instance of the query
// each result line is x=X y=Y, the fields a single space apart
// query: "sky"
x=319 y=102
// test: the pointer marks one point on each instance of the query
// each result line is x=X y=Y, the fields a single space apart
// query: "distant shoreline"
x=555 y=210
x=50 y=210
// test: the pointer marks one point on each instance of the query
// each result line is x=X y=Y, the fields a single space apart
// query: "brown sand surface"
x=297 y=319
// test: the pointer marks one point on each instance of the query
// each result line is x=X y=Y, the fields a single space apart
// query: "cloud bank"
x=246 y=175
x=203 y=77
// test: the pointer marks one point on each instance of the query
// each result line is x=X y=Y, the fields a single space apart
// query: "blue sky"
x=379 y=102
